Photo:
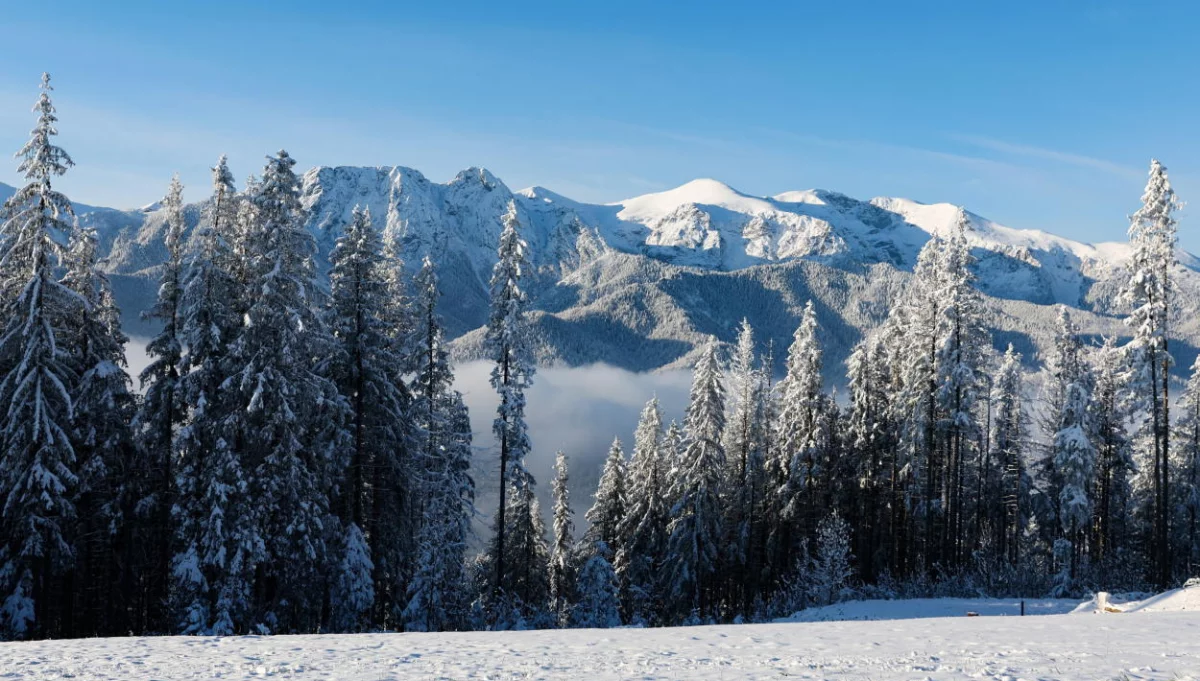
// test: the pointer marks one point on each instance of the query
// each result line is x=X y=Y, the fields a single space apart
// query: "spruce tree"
x=871 y=440
x=801 y=444
x=113 y=484
x=353 y=593
x=1110 y=416
x=1187 y=438
x=608 y=509
x=1075 y=461
x=911 y=336
x=288 y=427
x=429 y=361
x=562 y=568
x=436 y=593
x=745 y=437
x=443 y=445
x=1010 y=485
x=1149 y=293
x=1066 y=473
x=831 y=567
x=215 y=547
x=962 y=347
x=640 y=559
x=162 y=411
x=597 y=603
x=395 y=520
x=694 y=547
x=37 y=456
x=508 y=346
x=363 y=367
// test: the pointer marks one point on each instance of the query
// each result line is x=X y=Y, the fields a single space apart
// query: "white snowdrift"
x=1184 y=599
x=1179 y=600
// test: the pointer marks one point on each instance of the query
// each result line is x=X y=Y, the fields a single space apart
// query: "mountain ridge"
x=640 y=283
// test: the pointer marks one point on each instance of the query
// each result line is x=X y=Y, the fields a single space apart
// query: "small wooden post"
x=1022 y=607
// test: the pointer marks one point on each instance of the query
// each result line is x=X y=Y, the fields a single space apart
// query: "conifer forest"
x=296 y=458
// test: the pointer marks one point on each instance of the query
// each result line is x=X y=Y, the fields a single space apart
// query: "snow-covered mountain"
x=708 y=224
x=640 y=282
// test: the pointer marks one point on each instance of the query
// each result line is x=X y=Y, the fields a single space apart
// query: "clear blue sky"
x=1035 y=114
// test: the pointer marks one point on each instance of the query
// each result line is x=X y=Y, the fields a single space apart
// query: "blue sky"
x=1038 y=114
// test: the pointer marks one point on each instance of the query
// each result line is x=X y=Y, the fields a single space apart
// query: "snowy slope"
x=1062 y=647
x=1184 y=599
x=641 y=282
x=706 y=223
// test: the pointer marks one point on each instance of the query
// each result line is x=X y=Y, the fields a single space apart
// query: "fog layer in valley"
x=578 y=410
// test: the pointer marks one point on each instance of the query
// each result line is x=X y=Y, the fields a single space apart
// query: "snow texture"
x=1157 y=645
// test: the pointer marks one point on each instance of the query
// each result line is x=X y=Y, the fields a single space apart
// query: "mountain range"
x=641 y=283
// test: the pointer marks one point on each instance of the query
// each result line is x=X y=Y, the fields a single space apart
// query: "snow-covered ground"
x=1161 y=640
x=921 y=608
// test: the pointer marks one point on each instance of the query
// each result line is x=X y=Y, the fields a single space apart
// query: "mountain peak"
x=541 y=194
x=477 y=175
x=699 y=192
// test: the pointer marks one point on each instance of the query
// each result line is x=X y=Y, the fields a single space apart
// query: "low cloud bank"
x=578 y=410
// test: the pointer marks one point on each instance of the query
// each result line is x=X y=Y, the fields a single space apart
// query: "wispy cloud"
x=977 y=162
x=1031 y=151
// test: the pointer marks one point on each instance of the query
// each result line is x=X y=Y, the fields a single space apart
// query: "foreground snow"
x=1146 y=645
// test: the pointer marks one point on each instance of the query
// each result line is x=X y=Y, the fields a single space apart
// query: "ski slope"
x=1132 y=646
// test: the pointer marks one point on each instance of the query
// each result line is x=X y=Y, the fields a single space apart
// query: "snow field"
x=1150 y=645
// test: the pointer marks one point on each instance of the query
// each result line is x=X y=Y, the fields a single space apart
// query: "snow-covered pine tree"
x=597 y=604
x=1074 y=455
x=353 y=592
x=525 y=601
x=1187 y=448
x=800 y=446
x=1149 y=293
x=161 y=411
x=37 y=457
x=437 y=592
x=430 y=363
x=395 y=522
x=830 y=568
x=744 y=448
x=363 y=367
x=562 y=567
x=1063 y=367
x=243 y=234
x=608 y=508
x=507 y=344
x=694 y=547
x=1008 y=483
x=674 y=443
x=289 y=427
x=1110 y=415
x=462 y=486
x=870 y=440
x=962 y=349
x=215 y=546
x=644 y=528
x=111 y=482
x=911 y=341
